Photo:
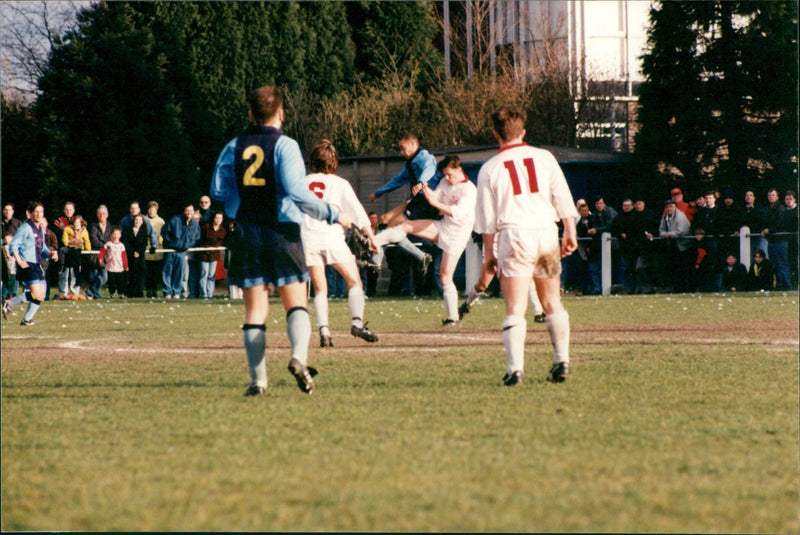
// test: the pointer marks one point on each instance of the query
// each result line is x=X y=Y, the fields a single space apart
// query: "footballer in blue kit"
x=260 y=179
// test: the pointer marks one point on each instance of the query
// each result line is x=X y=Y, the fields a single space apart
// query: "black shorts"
x=32 y=274
x=419 y=208
x=262 y=254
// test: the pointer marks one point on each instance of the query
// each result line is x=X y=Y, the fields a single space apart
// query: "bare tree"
x=28 y=31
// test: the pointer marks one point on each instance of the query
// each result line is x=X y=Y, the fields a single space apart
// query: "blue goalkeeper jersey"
x=260 y=178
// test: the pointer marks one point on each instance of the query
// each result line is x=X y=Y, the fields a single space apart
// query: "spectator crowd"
x=137 y=257
x=690 y=246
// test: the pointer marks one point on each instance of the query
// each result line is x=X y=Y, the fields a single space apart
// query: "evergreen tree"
x=22 y=149
x=396 y=39
x=111 y=123
x=711 y=107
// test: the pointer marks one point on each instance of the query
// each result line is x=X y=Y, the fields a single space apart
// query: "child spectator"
x=115 y=260
x=703 y=271
x=9 y=269
x=734 y=274
x=761 y=275
x=75 y=239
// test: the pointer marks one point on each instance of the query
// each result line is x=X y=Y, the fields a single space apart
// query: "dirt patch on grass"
x=774 y=335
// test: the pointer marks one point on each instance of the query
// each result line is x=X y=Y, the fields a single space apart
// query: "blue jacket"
x=24 y=242
x=420 y=168
x=278 y=181
x=180 y=236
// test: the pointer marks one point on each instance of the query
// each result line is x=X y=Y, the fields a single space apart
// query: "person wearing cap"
x=676 y=194
x=674 y=229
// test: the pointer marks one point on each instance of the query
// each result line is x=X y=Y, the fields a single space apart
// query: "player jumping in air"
x=522 y=192
x=454 y=198
x=324 y=244
x=260 y=178
x=419 y=170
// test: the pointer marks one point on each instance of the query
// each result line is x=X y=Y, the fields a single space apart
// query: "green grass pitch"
x=681 y=415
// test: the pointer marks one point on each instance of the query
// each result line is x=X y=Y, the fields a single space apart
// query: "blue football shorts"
x=261 y=254
x=419 y=208
x=32 y=274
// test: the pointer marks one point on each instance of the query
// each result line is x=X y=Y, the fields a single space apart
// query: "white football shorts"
x=321 y=251
x=452 y=243
x=529 y=252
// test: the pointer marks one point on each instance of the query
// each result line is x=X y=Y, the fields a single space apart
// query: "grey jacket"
x=676 y=227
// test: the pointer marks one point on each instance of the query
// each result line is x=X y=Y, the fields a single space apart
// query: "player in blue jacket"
x=29 y=249
x=419 y=171
x=260 y=179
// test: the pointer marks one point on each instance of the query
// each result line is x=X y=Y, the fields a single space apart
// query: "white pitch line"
x=74 y=344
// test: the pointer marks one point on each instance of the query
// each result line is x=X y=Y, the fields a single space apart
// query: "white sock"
x=389 y=235
x=472 y=297
x=355 y=300
x=558 y=325
x=298 y=327
x=321 y=309
x=255 y=344
x=450 y=294
x=533 y=297
x=514 y=330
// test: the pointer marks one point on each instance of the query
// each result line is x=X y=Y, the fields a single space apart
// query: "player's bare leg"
x=320 y=283
x=294 y=297
x=355 y=300
x=394 y=216
x=488 y=271
x=557 y=320
x=256 y=308
x=515 y=293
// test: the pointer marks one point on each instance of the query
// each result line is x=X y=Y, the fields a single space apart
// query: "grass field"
x=681 y=415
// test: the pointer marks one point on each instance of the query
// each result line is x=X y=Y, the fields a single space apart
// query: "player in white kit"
x=324 y=243
x=522 y=193
x=455 y=199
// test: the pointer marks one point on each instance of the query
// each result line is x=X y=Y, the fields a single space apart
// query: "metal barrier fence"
x=606 y=241
x=606 y=252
